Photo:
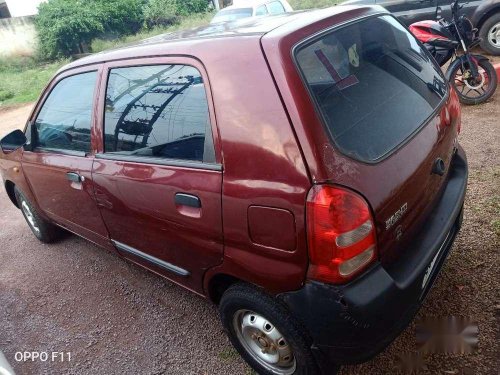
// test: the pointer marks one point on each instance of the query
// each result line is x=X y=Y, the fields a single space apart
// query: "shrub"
x=168 y=12
x=188 y=7
x=160 y=13
x=5 y=94
x=66 y=27
x=122 y=16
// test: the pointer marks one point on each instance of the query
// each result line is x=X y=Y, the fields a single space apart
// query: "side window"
x=275 y=7
x=158 y=111
x=261 y=11
x=65 y=119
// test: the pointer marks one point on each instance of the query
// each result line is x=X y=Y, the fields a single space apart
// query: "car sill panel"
x=151 y=259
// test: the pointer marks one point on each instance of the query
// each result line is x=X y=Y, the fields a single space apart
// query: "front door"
x=58 y=165
x=158 y=175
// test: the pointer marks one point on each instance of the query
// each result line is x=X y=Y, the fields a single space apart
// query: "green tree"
x=66 y=27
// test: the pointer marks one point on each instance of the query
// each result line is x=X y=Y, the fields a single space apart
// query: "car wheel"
x=265 y=334
x=490 y=35
x=44 y=230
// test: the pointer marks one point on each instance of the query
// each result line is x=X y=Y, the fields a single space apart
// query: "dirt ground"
x=13 y=117
x=115 y=318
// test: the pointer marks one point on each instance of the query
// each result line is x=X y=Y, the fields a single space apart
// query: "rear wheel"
x=44 y=230
x=265 y=334
x=490 y=35
x=472 y=90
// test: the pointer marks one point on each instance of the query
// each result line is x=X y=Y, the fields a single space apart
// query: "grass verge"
x=22 y=79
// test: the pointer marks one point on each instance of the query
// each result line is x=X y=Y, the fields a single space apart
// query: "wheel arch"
x=487 y=15
x=10 y=188
x=218 y=284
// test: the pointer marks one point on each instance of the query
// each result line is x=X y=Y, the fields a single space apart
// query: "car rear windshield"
x=373 y=84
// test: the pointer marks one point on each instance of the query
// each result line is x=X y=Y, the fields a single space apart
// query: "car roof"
x=244 y=28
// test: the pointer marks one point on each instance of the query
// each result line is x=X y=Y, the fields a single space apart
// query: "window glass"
x=275 y=7
x=227 y=15
x=373 y=84
x=65 y=119
x=261 y=11
x=158 y=111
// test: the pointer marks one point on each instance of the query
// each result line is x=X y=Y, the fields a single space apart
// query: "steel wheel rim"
x=29 y=217
x=264 y=342
x=494 y=35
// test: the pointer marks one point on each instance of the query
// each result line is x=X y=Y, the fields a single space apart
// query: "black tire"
x=44 y=230
x=491 y=23
x=465 y=94
x=250 y=300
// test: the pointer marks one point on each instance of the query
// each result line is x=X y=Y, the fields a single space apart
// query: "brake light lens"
x=341 y=234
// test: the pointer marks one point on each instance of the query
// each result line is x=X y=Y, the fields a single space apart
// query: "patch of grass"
x=196 y=20
x=311 y=4
x=22 y=79
x=496 y=226
x=228 y=354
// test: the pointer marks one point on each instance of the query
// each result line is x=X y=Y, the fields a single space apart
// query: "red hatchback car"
x=300 y=171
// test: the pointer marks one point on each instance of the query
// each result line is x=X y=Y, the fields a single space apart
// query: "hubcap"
x=494 y=35
x=29 y=217
x=262 y=340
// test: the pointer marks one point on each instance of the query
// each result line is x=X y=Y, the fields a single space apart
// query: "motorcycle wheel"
x=474 y=91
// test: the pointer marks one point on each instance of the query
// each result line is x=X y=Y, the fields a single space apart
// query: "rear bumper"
x=354 y=322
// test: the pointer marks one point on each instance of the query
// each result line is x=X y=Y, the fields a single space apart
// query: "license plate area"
x=436 y=263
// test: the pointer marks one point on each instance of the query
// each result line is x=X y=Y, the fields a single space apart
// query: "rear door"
x=158 y=173
x=58 y=166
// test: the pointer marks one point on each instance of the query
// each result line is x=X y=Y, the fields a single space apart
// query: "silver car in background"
x=251 y=8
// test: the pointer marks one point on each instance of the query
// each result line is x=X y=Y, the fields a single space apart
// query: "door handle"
x=183 y=199
x=75 y=177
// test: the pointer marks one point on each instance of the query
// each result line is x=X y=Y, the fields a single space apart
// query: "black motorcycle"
x=472 y=76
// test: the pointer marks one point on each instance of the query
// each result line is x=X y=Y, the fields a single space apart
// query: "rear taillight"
x=341 y=234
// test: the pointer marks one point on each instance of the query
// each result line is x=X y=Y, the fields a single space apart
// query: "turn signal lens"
x=341 y=234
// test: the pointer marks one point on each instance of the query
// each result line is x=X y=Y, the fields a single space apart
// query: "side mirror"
x=439 y=12
x=13 y=141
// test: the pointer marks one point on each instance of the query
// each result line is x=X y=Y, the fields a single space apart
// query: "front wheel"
x=265 y=334
x=43 y=230
x=472 y=90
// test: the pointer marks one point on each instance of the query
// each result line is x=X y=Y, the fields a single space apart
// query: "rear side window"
x=372 y=83
x=275 y=7
x=65 y=119
x=158 y=111
x=261 y=11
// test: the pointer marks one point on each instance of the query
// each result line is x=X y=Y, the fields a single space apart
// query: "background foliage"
x=67 y=27
x=168 y=12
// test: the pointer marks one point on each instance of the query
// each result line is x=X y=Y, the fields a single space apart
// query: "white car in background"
x=251 y=8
